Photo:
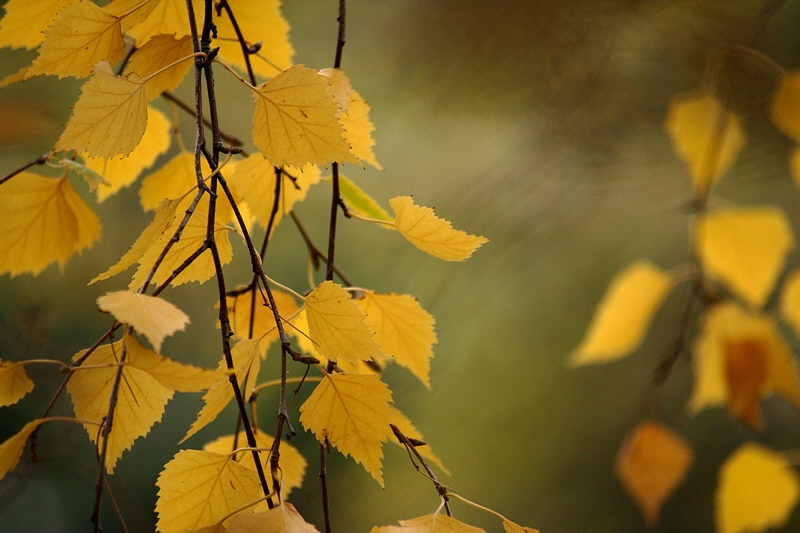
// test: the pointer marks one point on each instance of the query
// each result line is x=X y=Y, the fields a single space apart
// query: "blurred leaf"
x=432 y=523
x=11 y=450
x=785 y=109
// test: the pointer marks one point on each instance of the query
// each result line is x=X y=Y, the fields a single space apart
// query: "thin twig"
x=41 y=160
x=412 y=447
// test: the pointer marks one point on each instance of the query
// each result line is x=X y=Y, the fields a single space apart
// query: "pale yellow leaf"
x=360 y=203
x=295 y=120
x=11 y=450
x=152 y=316
x=651 y=463
x=352 y=412
x=745 y=248
x=292 y=463
x=785 y=109
x=251 y=316
x=157 y=53
x=121 y=171
x=24 y=22
x=14 y=383
x=163 y=220
x=358 y=129
x=167 y=17
x=110 y=116
x=405 y=425
x=432 y=234
x=132 y=12
x=282 y=519
x=81 y=36
x=44 y=221
x=403 y=330
x=200 y=488
x=336 y=324
x=171 y=374
x=623 y=316
x=140 y=400
x=706 y=135
x=511 y=527
x=246 y=355
x=298 y=327
x=432 y=523
x=758 y=488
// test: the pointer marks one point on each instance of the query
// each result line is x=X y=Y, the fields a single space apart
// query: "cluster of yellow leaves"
x=740 y=355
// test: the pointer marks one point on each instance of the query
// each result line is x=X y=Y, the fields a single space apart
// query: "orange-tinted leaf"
x=81 y=36
x=295 y=120
x=110 y=116
x=160 y=51
x=336 y=324
x=151 y=316
x=706 y=135
x=651 y=463
x=624 y=314
x=432 y=523
x=11 y=450
x=200 y=488
x=432 y=234
x=785 y=110
x=24 y=23
x=14 y=383
x=757 y=490
x=352 y=412
x=44 y=221
x=745 y=248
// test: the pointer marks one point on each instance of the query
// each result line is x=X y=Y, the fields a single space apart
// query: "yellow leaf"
x=785 y=109
x=624 y=314
x=11 y=450
x=745 y=248
x=757 y=490
x=295 y=120
x=652 y=462
x=110 y=116
x=151 y=316
x=121 y=171
x=171 y=374
x=352 y=412
x=336 y=324
x=199 y=488
x=167 y=17
x=140 y=401
x=192 y=238
x=14 y=383
x=358 y=129
x=360 y=203
x=92 y=178
x=432 y=523
x=246 y=356
x=403 y=330
x=432 y=234
x=407 y=427
x=163 y=220
x=254 y=178
x=790 y=300
x=706 y=135
x=24 y=23
x=44 y=221
x=242 y=308
x=157 y=53
x=81 y=36
x=16 y=77
x=739 y=358
x=282 y=519
x=511 y=527
x=132 y=12
x=292 y=463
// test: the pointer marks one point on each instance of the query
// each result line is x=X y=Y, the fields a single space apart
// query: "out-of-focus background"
x=536 y=124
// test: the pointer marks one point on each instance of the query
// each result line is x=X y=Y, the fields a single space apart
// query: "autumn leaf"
x=245 y=311
x=44 y=221
x=785 y=110
x=706 y=135
x=82 y=35
x=745 y=248
x=295 y=120
x=403 y=330
x=624 y=314
x=360 y=203
x=151 y=316
x=511 y=527
x=652 y=462
x=92 y=178
x=24 y=22
x=158 y=53
x=432 y=234
x=110 y=116
x=11 y=450
x=121 y=171
x=169 y=373
x=200 y=488
x=165 y=17
x=757 y=490
x=432 y=523
x=131 y=12
x=292 y=463
x=336 y=324
x=14 y=383
x=281 y=519
x=358 y=129
x=352 y=411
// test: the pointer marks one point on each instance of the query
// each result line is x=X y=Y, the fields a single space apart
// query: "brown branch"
x=41 y=160
x=411 y=446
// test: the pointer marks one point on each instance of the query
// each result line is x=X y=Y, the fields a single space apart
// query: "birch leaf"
x=244 y=311
x=11 y=450
x=82 y=35
x=44 y=221
x=358 y=129
x=336 y=324
x=757 y=490
x=171 y=374
x=295 y=120
x=352 y=412
x=624 y=314
x=158 y=53
x=511 y=527
x=166 y=17
x=432 y=234
x=110 y=116
x=200 y=488
x=24 y=22
x=14 y=383
x=361 y=203
x=432 y=523
x=152 y=316
x=745 y=248
x=282 y=519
